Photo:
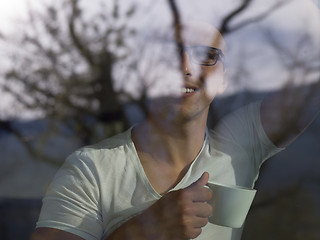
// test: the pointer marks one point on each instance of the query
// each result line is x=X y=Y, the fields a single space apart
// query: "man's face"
x=187 y=71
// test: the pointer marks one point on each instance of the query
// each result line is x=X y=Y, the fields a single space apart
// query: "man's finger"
x=203 y=210
x=201 y=194
x=199 y=222
x=203 y=180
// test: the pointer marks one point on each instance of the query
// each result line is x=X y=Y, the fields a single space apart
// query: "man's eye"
x=212 y=55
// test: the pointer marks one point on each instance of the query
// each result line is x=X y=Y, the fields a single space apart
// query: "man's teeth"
x=187 y=90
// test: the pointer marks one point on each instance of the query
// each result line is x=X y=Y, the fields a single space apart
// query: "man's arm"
x=287 y=113
x=53 y=234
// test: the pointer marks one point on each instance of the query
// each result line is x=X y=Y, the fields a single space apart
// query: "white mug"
x=230 y=204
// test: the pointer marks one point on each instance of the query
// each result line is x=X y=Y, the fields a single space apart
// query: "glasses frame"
x=188 y=50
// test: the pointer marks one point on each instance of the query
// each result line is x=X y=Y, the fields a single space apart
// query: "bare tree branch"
x=226 y=20
x=75 y=38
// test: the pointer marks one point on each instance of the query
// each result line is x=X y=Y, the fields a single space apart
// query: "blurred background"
x=69 y=77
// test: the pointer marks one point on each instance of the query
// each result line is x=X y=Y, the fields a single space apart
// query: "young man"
x=148 y=182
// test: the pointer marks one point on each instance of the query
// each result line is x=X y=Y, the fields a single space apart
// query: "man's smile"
x=189 y=90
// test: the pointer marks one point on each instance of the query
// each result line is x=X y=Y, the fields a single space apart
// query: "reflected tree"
x=63 y=63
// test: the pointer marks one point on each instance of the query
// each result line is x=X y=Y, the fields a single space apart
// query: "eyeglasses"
x=203 y=55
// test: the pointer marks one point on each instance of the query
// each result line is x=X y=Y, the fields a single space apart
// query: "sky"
x=9 y=11
x=12 y=10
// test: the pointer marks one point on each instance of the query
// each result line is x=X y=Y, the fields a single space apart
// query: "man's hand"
x=183 y=213
x=177 y=215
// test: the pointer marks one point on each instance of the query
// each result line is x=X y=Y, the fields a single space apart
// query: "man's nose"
x=186 y=65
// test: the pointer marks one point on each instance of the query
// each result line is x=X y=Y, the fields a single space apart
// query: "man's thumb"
x=203 y=180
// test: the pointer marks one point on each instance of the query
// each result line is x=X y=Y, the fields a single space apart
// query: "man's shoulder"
x=237 y=127
x=115 y=147
x=114 y=142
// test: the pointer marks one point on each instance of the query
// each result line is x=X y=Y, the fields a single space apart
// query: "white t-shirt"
x=101 y=186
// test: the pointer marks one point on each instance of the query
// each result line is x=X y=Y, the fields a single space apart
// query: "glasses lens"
x=204 y=55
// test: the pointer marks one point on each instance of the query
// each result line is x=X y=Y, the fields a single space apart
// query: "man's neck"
x=167 y=149
x=175 y=143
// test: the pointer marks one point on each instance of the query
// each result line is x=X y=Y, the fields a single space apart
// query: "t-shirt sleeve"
x=71 y=203
x=244 y=128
